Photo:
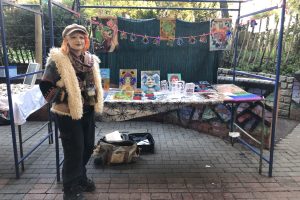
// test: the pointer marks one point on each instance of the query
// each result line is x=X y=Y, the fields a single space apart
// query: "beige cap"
x=72 y=28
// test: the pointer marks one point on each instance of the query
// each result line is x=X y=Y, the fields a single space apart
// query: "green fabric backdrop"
x=194 y=62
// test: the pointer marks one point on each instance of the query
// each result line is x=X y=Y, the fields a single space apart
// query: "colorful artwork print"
x=150 y=81
x=221 y=32
x=105 y=78
x=174 y=77
x=167 y=28
x=127 y=79
x=105 y=34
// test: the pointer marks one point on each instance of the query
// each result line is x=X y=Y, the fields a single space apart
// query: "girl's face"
x=76 y=41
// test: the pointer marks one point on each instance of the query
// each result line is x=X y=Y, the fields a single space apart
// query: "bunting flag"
x=105 y=36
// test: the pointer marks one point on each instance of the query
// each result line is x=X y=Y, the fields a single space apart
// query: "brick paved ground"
x=186 y=165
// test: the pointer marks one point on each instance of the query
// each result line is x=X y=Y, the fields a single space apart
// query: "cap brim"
x=76 y=30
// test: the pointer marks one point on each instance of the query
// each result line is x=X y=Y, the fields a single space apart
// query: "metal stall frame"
x=276 y=86
x=20 y=160
x=239 y=2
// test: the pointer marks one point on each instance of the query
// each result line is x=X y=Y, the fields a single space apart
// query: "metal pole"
x=11 y=114
x=78 y=9
x=262 y=137
x=158 y=8
x=278 y=62
x=258 y=12
x=51 y=23
x=43 y=36
x=236 y=39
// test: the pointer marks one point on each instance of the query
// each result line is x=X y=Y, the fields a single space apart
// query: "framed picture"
x=150 y=81
x=174 y=77
x=30 y=79
x=105 y=78
x=167 y=28
x=105 y=33
x=221 y=34
x=128 y=79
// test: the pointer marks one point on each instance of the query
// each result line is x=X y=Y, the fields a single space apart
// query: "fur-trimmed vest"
x=74 y=107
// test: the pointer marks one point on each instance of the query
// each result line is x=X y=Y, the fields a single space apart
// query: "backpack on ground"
x=115 y=152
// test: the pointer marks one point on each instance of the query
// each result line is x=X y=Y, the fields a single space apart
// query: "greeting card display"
x=105 y=78
x=127 y=79
x=204 y=86
x=174 y=77
x=189 y=89
x=164 y=85
x=150 y=81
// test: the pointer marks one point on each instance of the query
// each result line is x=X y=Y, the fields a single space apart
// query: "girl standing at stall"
x=72 y=83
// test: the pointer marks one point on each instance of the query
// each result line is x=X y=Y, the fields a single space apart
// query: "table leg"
x=21 y=146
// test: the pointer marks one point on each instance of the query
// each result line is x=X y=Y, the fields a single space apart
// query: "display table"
x=25 y=99
x=121 y=110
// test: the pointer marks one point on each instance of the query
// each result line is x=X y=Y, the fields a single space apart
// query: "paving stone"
x=186 y=165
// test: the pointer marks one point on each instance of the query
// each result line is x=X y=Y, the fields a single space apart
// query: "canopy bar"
x=157 y=8
x=21 y=7
x=192 y=1
x=260 y=11
x=65 y=8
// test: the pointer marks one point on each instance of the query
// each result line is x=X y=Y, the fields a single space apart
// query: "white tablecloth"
x=24 y=103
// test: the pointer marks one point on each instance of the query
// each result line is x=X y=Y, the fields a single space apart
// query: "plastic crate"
x=147 y=146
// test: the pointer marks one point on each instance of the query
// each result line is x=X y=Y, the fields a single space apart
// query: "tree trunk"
x=225 y=13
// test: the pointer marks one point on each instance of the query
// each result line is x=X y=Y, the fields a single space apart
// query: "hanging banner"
x=105 y=34
x=220 y=34
x=167 y=28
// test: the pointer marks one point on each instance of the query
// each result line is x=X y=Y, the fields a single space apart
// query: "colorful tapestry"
x=221 y=32
x=150 y=81
x=167 y=28
x=105 y=34
x=105 y=78
x=128 y=79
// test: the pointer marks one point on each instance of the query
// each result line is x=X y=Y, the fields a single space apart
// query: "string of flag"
x=156 y=40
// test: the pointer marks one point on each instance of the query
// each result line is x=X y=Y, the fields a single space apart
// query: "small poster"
x=221 y=34
x=174 y=77
x=167 y=28
x=105 y=78
x=150 y=81
x=105 y=34
x=127 y=79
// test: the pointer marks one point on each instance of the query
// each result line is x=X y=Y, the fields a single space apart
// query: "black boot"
x=87 y=185
x=73 y=193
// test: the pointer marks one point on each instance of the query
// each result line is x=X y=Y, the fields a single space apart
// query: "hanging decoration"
x=145 y=40
x=220 y=37
x=179 y=41
x=105 y=33
x=167 y=28
x=203 y=39
x=156 y=41
x=123 y=35
x=170 y=42
x=192 y=40
x=132 y=37
x=253 y=23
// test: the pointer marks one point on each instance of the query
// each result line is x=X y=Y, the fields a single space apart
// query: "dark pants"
x=78 y=138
